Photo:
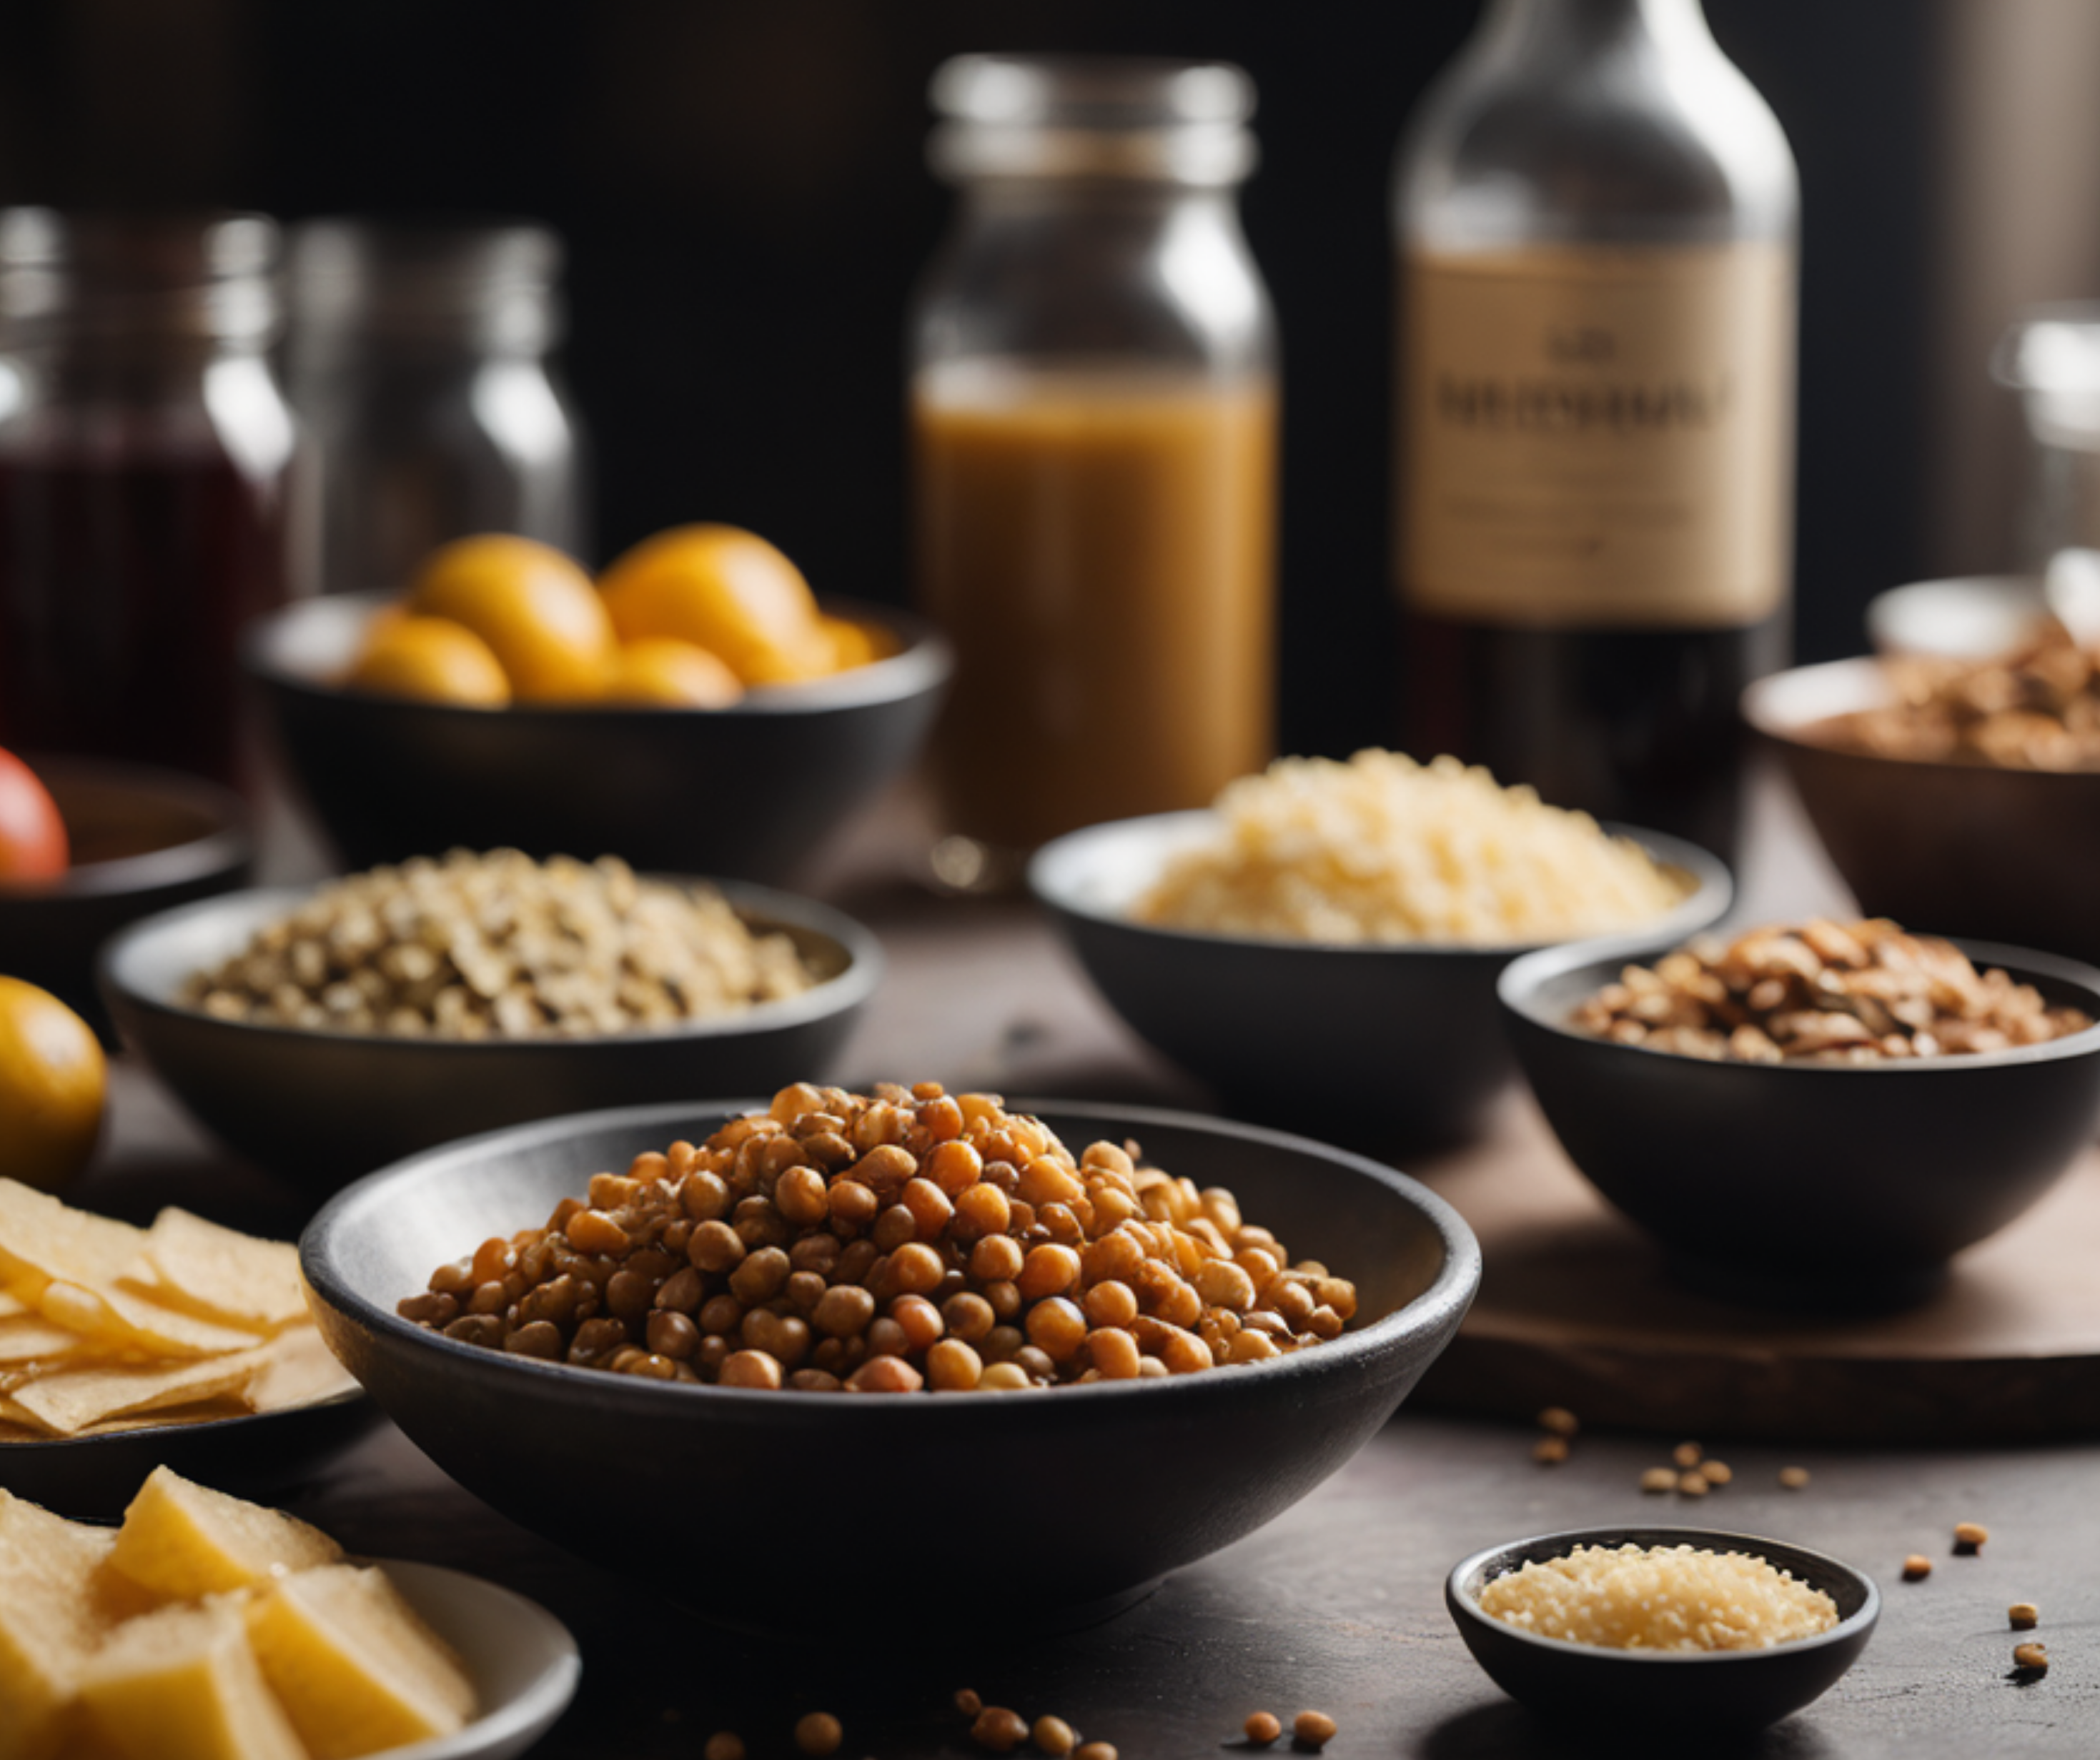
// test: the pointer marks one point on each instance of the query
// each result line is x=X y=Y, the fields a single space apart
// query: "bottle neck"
x=1562 y=28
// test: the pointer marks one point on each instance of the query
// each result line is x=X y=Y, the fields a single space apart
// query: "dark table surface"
x=1337 y=1606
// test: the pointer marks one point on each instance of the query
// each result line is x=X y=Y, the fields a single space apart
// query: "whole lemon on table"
x=429 y=657
x=535 y=607
x=664 y=670
x=729 y=591
x=53 y=1081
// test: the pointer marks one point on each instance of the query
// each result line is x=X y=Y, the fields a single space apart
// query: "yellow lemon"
x=726 y=589
x=661 y=669
x=52 y=1083
x=431 y=658
x=857 y=644
x=535 y=607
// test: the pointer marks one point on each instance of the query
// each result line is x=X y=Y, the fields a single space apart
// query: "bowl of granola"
x=1830 y=1103
x=1960 y=793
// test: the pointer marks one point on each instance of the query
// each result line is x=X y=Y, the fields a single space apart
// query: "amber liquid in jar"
x=1098 y=545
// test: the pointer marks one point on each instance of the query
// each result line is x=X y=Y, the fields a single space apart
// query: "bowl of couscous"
x=1321 y=947
x=1632 y=1628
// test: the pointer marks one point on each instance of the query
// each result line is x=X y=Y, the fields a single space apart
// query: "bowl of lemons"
x=696 y=708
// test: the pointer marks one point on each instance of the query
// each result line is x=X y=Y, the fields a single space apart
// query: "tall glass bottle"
x=1093 y=422
x=1595 y=217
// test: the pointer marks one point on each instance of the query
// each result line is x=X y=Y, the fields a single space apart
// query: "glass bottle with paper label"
x=1595 y=218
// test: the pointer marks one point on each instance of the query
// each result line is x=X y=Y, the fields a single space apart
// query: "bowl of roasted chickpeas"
x=693 y=708
x=1123 y=1337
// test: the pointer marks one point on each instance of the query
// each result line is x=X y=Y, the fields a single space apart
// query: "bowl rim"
x=1058 y=873
x=926 y=661
x=1765 y=718
x=536 y=1704
x=765 y=907
x=228 y=845
x=1464 y=1605
x=1522 y=980
x=1448 y=1295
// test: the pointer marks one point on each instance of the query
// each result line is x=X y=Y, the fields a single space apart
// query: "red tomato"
x=33 y=837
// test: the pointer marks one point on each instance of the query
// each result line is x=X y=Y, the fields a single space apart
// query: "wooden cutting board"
x=1578 y=1308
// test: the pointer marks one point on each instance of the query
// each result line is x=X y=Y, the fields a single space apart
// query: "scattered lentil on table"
x=819 y=1733
x=1262 y=1727
x=1315 y=1729
x=2033 y=1657
x=2023 y=1616
x=1916 y=1568
x=1969 y=1537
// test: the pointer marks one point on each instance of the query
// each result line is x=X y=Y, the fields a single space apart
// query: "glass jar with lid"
x=418 y=360
x=1093 y=423
x=144 y=456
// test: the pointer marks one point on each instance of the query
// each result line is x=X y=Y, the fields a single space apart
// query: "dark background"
x=742 y=189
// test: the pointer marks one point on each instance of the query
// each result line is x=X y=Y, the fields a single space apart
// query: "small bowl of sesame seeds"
x=1826 y=1112
x=1645 y=1626
x=323 y=1031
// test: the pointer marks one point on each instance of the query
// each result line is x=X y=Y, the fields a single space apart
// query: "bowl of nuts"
x=753 y=1311
x=325 y=1031
x=1960 y=793
x=1833 y=1107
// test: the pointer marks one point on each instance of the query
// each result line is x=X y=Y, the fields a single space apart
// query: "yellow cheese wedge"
x=181 y=1540
x=353 y=1667
x=181 y=1683
x=57 y=1604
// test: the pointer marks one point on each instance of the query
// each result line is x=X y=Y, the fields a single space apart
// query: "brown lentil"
x=1687 y=1456
x=1657 y=1479
x=968 y=1702
x=2033 y=1657
x=1916 y=1568
x=1263 y=1728
x=818 y=1732
x=1557 y=1421
x=1793 y=1478
x=1691 y=1485
x=724 y=1745
x=1053 y=1735
x=499 y=946
x=1716 y=1472
x=1316 y=1729
x=887 y=1243
x=1969 y=1537
x=2024 y=1616
x=1550 y=1450
x=999 y=1730
x=1095 y=1750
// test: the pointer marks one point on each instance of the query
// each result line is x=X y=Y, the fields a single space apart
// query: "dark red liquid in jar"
x=127 y=573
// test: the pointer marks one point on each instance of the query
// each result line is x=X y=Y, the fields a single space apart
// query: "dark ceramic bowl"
x=1223 y=1452
x=143 y=840
x=1402 y=1039
x=319 y=1108
x=254 y=1455
x=747 y=791
x=1959 y=849
x=1594 y=1691
x=1844 y=1177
